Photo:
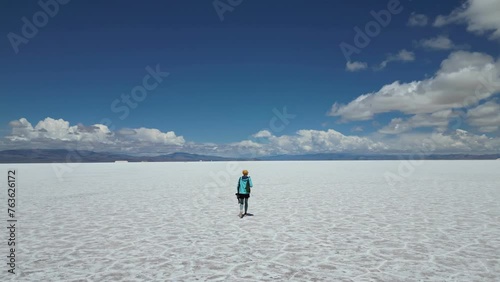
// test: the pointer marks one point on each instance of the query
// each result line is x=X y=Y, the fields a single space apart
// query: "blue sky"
x=228 y=70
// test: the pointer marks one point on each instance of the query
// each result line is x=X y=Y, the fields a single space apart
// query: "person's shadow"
x=249 y=214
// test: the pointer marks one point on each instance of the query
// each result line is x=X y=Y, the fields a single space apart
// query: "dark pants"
x=243 y=201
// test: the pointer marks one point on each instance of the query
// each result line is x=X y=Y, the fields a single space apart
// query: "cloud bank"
x=59 y=134
x=463 y=80
x=356 y=66
x=402 y=56
x=480 y=16
x=418 y=20
x=441 y=42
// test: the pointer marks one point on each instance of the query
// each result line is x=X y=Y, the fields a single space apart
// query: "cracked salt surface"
x=313 y=221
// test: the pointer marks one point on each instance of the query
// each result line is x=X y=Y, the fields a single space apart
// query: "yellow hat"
x=245 y=172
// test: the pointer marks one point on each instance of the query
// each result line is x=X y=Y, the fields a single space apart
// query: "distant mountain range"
x=61 y=156
x=360 y=157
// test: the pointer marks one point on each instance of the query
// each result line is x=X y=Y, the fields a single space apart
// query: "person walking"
x=243 y=192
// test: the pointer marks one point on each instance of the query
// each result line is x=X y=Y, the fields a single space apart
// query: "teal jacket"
x=244 y=183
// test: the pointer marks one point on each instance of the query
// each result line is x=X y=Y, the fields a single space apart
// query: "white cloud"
x=315 y=141
x=458 y=141
x=248 y=144
x=22 y=130
x=357 y=129
x=52 y=133
x=356 y=66
x=488 y=128
x=396 y=126
x=59 y=130
x=438 y=120
x=152 y=135
x=331 y=141
x=126 y=131
x=58 y=134
x=463 y=79
x=262 y=134
x=402 y=56
x=18 y=123
x=481 y=16
x=486 y=117
x=418 y=20
x=438 y=43
x=405 y=56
